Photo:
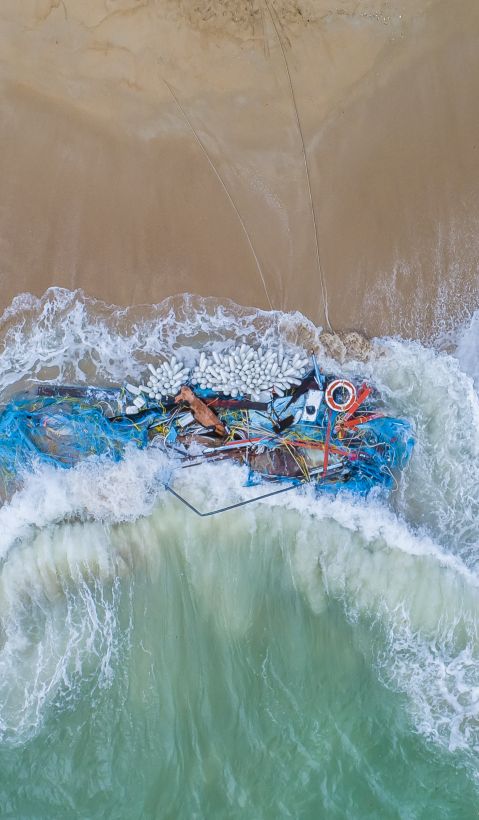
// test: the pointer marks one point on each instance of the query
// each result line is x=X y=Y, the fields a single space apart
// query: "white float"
x=242 y=370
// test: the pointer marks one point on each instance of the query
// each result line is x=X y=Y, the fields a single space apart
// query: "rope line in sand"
x=324 y=292
x=223 y=185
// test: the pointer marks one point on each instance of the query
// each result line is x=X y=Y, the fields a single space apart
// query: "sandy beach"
x=157 y=147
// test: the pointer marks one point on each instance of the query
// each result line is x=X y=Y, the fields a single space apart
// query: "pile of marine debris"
x=279 y=414
x=276 y=412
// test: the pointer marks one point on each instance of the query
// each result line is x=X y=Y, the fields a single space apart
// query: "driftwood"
x=202 y=414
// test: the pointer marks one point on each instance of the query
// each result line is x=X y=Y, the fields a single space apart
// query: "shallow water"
x=301 y=657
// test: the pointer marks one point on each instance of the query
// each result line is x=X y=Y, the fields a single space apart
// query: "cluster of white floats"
x=248 y=371
x=243 y=370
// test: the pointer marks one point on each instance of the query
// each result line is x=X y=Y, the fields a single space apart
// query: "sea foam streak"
x=405 y=567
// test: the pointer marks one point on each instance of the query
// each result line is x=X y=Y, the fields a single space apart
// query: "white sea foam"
x=467 y=348
x=67 y=337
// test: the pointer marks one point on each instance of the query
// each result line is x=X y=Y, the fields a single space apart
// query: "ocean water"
x=302 y=657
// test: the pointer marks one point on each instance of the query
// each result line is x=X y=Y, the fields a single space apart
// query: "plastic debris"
x=285 y=420
x=166 y=379
x=248 y=371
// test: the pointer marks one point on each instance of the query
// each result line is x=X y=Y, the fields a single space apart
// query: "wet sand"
x=150 y=148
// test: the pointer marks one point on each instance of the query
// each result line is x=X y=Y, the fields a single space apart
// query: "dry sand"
x=150 y=147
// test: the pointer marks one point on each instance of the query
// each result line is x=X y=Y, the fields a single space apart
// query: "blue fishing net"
x=62 y=430
x=63 y=426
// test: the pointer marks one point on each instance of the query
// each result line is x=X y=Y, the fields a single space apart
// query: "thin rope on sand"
x=223 y=185
x=324 y=293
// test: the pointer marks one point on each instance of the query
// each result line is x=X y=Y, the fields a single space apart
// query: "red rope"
x=326 y=444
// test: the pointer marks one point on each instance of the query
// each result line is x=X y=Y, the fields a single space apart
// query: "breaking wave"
x=74 y=546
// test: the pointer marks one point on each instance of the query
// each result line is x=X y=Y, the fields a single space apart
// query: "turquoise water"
x=227 y=696
x=301 y=657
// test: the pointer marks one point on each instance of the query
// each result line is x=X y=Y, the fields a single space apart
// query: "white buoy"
x=132 y=389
